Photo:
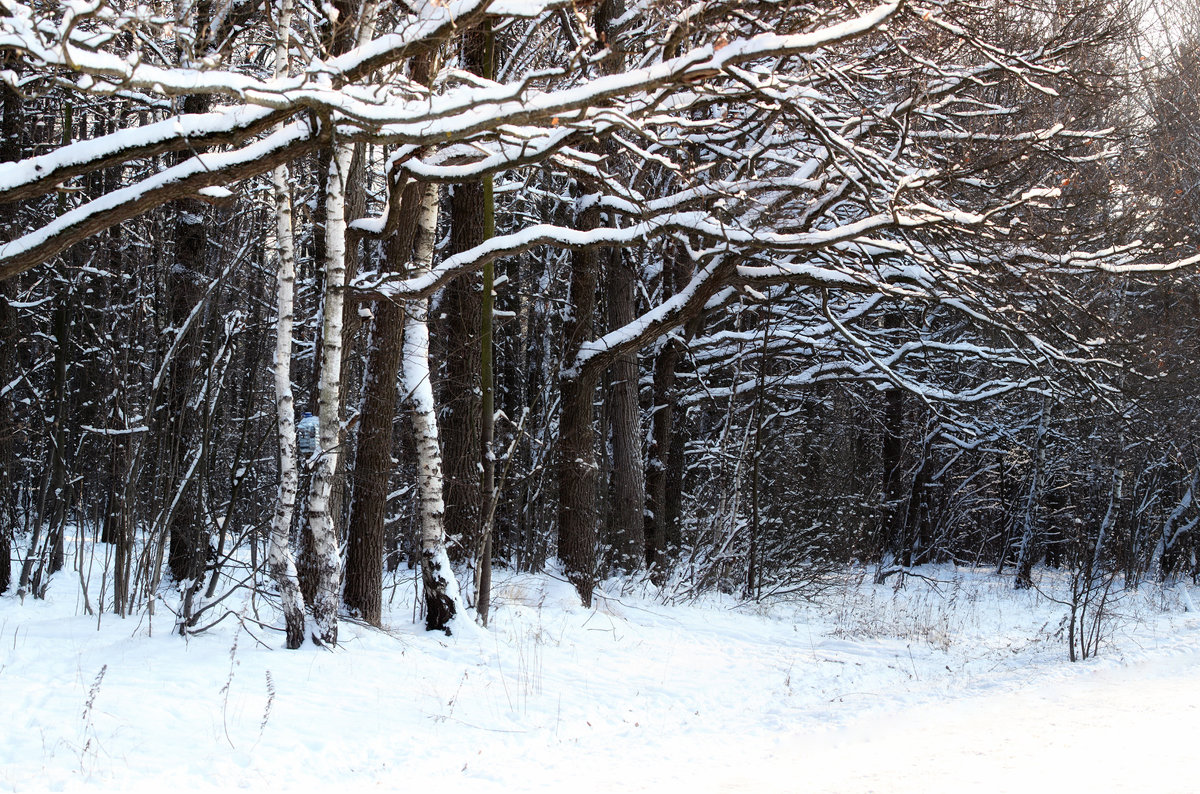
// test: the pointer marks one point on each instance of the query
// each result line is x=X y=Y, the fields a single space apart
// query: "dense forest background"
x=729 y=295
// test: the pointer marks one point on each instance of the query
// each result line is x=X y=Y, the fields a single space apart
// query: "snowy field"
x=958 y=685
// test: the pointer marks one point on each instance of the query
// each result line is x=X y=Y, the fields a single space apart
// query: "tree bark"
x=7 y=433
x=185 y=288
x=462 y=389
x=577 y=466
x=487 y=423
x=280 y=560
x=487 y=419
x=439 y=585
x=891 y=519
x=373 y=459
x=628 y=486
x=10 y=151
x=576 y=430
x=660 y=484
x=321 y=521
x=461 y=393
x=1033 y=497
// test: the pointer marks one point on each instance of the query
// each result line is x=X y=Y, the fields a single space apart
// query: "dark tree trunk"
x=60 y=498
x=891 y=530
x=460 y=414
x=577 y=465
x=352 y=374
x=10 y=150
x=185 y=288
x=366 y=527
x=46 y=551
x=373 y=461
x=462 y=389
x=628 y=486
x=917 y=540
x=373 y=465
x=1033 y=499
x=8 y=322
x=487 y=417
x=577 y=434
x=673 y=501
x=663 y=482
x=662 y=420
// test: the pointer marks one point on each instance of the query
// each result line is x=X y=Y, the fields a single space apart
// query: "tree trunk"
x=60 y=498
x=185 y=288
x=373 y=464
x=487 y=423
x=659 y=483
x=461 y=305
x=440 y=586
x=351 y=22
x=45 y=555
x=891 y=528
x=373 y=458
x=576 y=430
x=48 y=552
x=462 y=389
x=628 y=487
x=1025 y=551
x=10 y=151
x=280 y=559
x=321 y=520
x=8 y=430
x=577 y=466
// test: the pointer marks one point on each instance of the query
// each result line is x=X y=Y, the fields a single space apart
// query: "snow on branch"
x=186 y=179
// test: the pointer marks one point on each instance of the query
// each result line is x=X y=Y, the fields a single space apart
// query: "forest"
x=723 y=296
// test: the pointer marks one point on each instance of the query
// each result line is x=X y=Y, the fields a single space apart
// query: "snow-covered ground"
x=960 y=684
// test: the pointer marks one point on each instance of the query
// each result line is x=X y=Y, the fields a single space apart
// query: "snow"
x=208 y=162
x=459 y=112
x=958 y=686
x=14 y=175
x=697 y=222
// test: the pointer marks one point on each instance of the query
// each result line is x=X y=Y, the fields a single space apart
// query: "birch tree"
x=281 y=560
x=440 y=588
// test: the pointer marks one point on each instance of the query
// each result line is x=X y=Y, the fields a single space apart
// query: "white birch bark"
x=1172 y=530
x=442 y=601
x=280 y=560
x=326 y=552
x=326 y=549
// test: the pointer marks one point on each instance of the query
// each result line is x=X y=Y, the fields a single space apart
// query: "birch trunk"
x=326 y=554
x=280 y=560
x=440 y=587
